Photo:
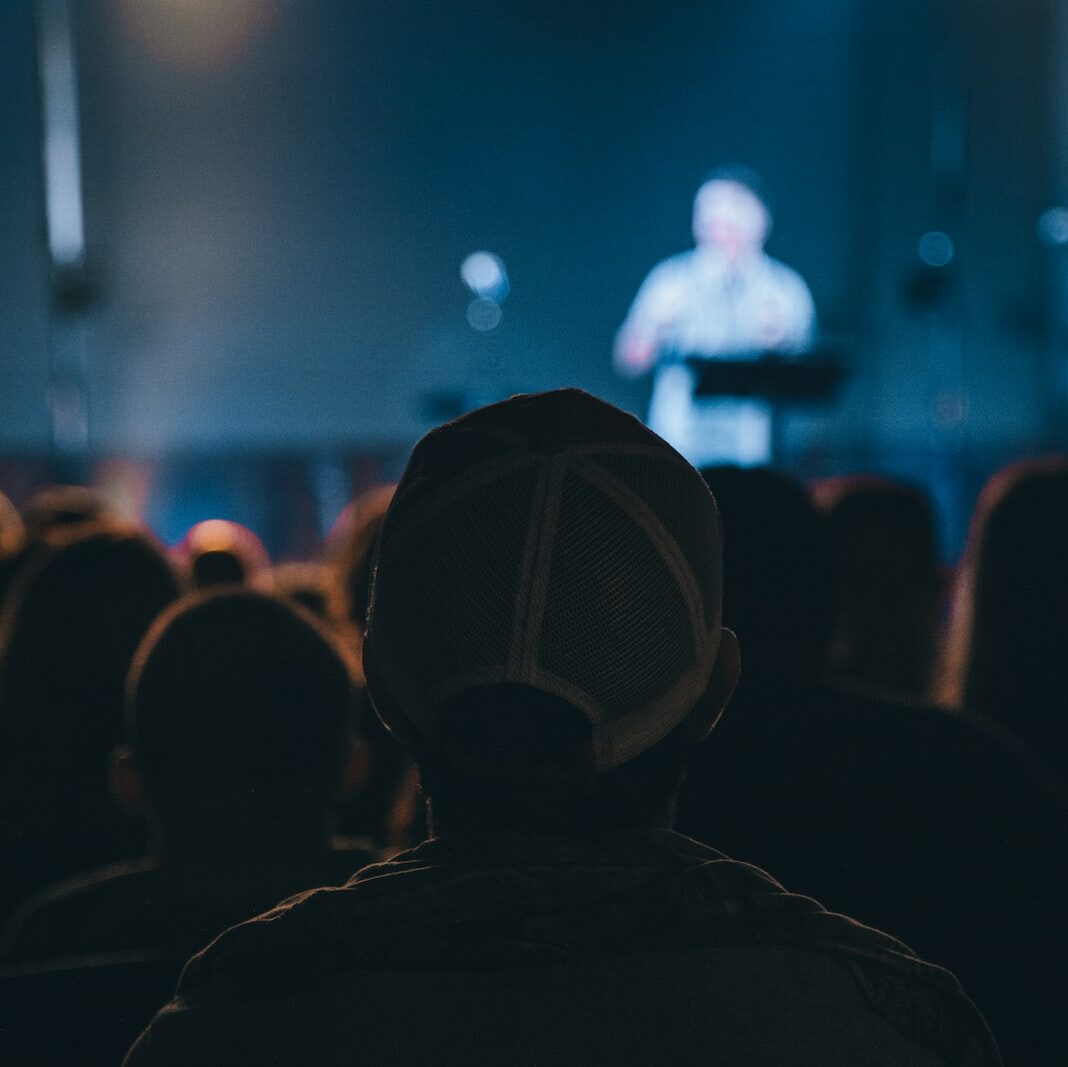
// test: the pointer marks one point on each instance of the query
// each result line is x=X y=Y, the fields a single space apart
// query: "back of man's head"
x=220 y=552
x=75 y=617
x=545 y=597
x=72 y=622
x=238 y=711
x=1005 y=649
x=779 y=588
x=889 y=583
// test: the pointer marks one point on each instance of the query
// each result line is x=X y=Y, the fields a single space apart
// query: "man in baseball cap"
x=544 y=633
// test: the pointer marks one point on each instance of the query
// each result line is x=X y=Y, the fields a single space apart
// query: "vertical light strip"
x=61 y=145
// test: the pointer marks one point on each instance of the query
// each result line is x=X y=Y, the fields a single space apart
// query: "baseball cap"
x=552 y=541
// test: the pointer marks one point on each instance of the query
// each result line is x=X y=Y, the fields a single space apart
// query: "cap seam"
x=456 y=488
x=542 y=565
x=660 y=537
x=527 y=570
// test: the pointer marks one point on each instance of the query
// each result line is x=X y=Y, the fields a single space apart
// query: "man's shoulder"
x=672 y=894
x=51 y=923
x=662 y=912
x=266 y=952
x=311 y=931
x=115 y=877
x=677 y=267
x=921 y=1000
x=782 y=274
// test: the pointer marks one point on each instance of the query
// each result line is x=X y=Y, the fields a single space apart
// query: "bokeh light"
x=484 y=274
x=935 y=249
x=484 y=314
x=1053 y=226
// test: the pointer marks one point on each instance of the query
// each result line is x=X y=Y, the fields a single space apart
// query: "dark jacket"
x=630 y=948
x=912 y=820
x=162 y=909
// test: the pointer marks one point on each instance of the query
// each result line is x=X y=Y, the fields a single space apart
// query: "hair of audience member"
x=380 y=810
x=220 y=552
x=1005 y=649
x=59 y=512
x=12 y=543
x=12 y=529
x=239 y=713
x=510 y=757
x=351 y=545
x=305 y=584
x=778 y=575
x=69 y=631
x=889 y=583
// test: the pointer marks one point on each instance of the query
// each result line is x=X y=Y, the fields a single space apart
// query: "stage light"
x=61 y=150
x=196 y=34
x=1053 y=226
x=484 y=274
x=935 y=249
x=483 y=314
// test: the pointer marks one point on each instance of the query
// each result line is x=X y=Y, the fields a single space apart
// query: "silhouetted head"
x=1009 y=631
x=544 y=615
x=889 y=584
x=238 y=711
x=219 y=552
x=777 y=575
x=69 y=631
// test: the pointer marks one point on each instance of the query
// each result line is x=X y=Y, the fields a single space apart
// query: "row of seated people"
x=228 y=727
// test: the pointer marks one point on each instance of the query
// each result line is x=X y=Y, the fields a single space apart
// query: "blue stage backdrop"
x=277 y=221
x=279 y=196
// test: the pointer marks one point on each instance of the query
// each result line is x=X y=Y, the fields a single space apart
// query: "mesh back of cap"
x=589 y=570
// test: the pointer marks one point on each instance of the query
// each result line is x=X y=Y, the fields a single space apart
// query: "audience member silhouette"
x=73 y=620
x=889 y=585
x=911 y=819
x=544 y=632
x=779 y=576
x=1006 y=648
x=350 y=548
x=12 y=544
x=12 y=529
x=219 y=552
x=383 y=809
x=58 y=512
x=239 y=715
x=305 y=584
x=53 y=517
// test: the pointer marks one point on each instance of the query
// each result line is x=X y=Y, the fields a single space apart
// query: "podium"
x=814 y=377
x=775 y=381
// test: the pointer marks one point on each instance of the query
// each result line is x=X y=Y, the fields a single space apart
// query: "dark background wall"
x=23 y=277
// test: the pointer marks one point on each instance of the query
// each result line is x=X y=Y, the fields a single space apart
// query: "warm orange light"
x=196 y=34
x=213 y=535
